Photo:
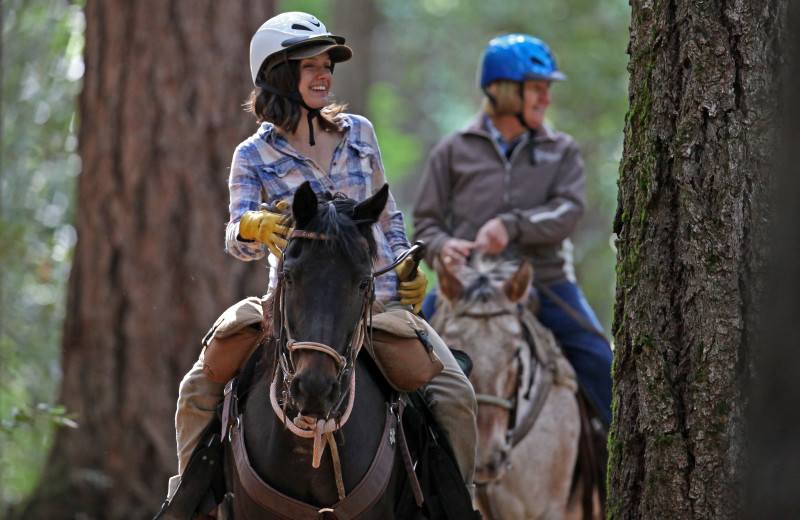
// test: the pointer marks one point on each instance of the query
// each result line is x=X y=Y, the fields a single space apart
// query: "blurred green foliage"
x=41 y=69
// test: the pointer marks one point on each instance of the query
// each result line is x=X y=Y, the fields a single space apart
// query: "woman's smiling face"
x=316 y=78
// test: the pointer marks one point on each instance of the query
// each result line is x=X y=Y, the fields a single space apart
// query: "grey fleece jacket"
x=468 y=181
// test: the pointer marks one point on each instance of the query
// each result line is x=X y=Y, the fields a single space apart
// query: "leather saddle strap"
x=544 y=384
x=228 y=414
x=363 y=497
x=402 y=444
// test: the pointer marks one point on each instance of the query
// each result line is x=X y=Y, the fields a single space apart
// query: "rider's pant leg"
x=590 y=355
x=452 y=401
x=198 y=398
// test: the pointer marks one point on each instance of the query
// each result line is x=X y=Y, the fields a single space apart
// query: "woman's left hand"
x=492 y=237
x=411 y=292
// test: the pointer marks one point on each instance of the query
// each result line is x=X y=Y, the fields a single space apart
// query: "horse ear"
x=449 y=285
x=370 y=210
x=304 y=205
x=519 y=284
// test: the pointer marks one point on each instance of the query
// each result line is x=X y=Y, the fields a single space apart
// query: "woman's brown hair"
x=280 y=110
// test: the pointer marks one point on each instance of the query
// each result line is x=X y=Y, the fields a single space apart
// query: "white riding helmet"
x=299 y=35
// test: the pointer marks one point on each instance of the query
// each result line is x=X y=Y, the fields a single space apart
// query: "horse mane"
x=335 y=219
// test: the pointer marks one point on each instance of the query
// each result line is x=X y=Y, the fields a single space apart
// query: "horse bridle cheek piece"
x=519 y=427
x=361 y=332
x=289 y=345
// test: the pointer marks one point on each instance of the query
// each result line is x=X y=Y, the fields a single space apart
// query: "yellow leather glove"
x=412 y=292
x=267 y=227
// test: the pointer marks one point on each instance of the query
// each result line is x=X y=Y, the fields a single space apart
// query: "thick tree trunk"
x=160 y=116
x=694 y=178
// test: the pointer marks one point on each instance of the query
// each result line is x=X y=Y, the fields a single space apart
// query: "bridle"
x=539 y=379
x=361 y=331
x=287 y=345
x=509 y=404
x=345 y=364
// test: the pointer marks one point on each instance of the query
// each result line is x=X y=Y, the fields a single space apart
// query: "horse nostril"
x=314 y=395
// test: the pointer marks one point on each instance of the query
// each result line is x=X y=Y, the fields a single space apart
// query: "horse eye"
x=287 y=277
x=364 y=285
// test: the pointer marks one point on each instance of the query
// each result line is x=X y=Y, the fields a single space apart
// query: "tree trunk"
x=690 y=222
x=160 y=116
x=356 y=20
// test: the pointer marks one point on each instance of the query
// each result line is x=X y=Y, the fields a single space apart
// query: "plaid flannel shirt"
x=266 y=168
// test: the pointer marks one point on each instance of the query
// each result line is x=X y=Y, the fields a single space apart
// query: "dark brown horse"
x=313 y=425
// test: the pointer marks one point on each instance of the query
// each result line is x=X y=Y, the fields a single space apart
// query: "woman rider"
x=507 y=178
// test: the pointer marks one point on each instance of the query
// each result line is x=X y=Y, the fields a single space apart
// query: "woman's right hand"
x=271 y=229
x=456 y=251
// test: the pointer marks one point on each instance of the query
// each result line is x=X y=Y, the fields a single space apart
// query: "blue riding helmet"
x=518 y=57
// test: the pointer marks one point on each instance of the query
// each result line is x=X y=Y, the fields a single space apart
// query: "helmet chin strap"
x=295 y=96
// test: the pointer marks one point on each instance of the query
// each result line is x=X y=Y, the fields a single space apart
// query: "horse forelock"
x=478 y=290
x=347 y=236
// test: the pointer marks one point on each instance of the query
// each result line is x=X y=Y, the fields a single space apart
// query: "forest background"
x=421 y=85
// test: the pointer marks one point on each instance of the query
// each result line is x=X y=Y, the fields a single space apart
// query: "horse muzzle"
x=316 y=387
x=493 y=465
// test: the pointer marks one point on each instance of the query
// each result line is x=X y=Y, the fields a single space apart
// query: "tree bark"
x=160 y=116
x=692 y=203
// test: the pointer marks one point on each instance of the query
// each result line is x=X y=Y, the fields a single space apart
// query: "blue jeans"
x=589 y=355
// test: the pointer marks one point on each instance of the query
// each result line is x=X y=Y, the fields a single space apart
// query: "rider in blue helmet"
x=517 y=58
x=508 y=179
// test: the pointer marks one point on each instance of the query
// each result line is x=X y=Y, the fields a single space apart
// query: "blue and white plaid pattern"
x=266 y=168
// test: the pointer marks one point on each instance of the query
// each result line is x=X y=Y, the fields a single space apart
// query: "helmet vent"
x=538 y=61
x=299 y=27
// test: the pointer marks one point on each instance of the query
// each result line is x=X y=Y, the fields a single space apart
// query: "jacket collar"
x=478 y=127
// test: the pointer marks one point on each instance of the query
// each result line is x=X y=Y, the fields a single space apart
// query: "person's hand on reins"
x=413 y=284
x=268 y=227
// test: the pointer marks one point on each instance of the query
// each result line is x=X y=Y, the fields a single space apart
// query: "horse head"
x=479 y=312
x=325 y=292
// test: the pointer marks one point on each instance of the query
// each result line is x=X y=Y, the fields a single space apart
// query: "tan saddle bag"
x=402 y=351
x=232 y=339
